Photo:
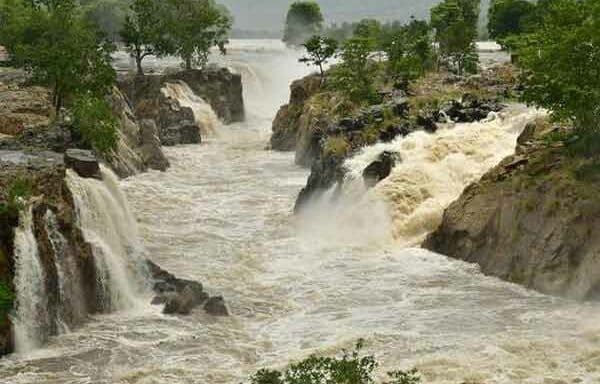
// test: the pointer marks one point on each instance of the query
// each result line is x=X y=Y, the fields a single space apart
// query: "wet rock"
x=380 y=168
x=392 y=131
x=216 y=306
x=150 y=151
x=180 y=303
x=83 y=162
x=427 y=121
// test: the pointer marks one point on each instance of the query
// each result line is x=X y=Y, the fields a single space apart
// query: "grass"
x=336 y=146
x=18 y=191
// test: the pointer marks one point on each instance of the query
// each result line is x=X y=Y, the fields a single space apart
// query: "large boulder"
x=380 y=168
x=83 y=162
x=216 y=306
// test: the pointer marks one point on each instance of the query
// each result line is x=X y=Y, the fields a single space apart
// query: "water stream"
x=222 y=215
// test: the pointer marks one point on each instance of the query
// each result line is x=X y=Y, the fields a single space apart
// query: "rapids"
x=222 y=215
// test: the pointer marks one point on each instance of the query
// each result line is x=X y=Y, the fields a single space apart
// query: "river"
x=222 y=214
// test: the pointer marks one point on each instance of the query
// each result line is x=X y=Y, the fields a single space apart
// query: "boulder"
x=427 y=121
x=216 y=306
x=180 y=303
x=380 y=168
x=83 y=162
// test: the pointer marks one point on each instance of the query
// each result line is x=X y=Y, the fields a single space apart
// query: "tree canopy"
x=319 y=50
x=455 y=25
x=304 y=19
x=561 y=63
x=507 y=17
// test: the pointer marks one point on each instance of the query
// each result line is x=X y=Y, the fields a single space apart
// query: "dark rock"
x=84 y=163
x=150 y=151
x=380 y=168
x=427 y=121
x=216 y=306
x=181 y=303
x=392 y=131
x=401 y=106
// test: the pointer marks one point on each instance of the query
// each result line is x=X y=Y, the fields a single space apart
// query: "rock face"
x=53 y=210
x=380 y=168
x=181 y=296
x=293 y=121
x=137 y=149
x=23 y=107
x=176 y=123
x=83 y=162
x=530 y=220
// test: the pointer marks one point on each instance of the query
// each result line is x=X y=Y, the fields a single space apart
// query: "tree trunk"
x=188 y=63
x=140 y=69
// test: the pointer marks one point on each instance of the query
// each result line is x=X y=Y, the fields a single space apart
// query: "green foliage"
x=354 y=75
x=17 y=194
x=144 y=31
x=94 y=121
x=508 y=17
x=194 y=27
x=409 y=52
x=371 y=31
x=350 y=368
x=561 y=63
x=404 y=377
x=304 y=19
x=455 y=24
x=107 y=15
x=58 y=46
x=319 y=51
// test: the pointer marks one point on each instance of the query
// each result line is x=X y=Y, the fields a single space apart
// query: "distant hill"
x=269 y=15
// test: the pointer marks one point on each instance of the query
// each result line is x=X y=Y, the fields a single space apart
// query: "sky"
x=269 y=15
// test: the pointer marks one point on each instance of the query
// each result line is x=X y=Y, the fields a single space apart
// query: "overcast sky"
x=270 y=14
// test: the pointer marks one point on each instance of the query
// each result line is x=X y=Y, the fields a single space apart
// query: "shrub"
x=7 y=298
x=351 y=368
x=94 y=121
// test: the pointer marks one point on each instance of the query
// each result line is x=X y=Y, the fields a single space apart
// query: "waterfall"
x=108 y=225
x=434 y=170
x=32 y=319
x=205 y=117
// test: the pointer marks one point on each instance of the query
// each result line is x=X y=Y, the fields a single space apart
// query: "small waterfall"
x=206 y=119
x=110 y=228
x=434 y=170
x=32 y=319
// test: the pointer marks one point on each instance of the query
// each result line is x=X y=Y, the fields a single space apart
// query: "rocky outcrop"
x=83 y=162
x=295 y=120
x=137 y=149
x=181 y=296
x=53 y=209
x=23 y=107
x=533 y=220
x=176 y=122
x=380 y=168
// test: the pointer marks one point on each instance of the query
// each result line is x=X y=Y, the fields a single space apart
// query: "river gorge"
x=315 y=282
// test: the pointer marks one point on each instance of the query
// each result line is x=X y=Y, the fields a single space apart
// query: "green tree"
x=509 y=17
x=351 y=368
x=561 y=63
x=354 y=75
x=455 y=24
x=409 y=52
x=94 y=122
x=304 y=19
x=58 y=46
x=319 y=51
x=194 y=27
x=107 y=15
x=145 y=31
x=371 y=31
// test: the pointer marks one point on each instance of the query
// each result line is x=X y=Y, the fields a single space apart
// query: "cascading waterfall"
x=110 y=228
x=32 y=317
x=433 y=171
x=205 y=117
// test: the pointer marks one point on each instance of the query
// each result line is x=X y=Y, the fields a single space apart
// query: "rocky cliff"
x=325 y=129
x=533 y=220
x=166 y=99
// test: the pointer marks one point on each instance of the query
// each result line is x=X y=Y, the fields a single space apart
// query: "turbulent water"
x=206 y=119
x=222 y=215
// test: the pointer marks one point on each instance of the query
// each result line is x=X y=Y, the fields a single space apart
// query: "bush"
x=17 y=193
x=350 y=368
x=7 y=298
x=94 y=121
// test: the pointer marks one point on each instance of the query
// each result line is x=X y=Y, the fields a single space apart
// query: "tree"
x=145 y=31
x=351 y=368
x=304 y=19
x=455 y=24
x=369 y=30
x=354 y=75
x=509 y=17
x=58 y=46
x=319 y=51
x=561 y=63
x=107 y=15
x=409 y=52
x=194 y=27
